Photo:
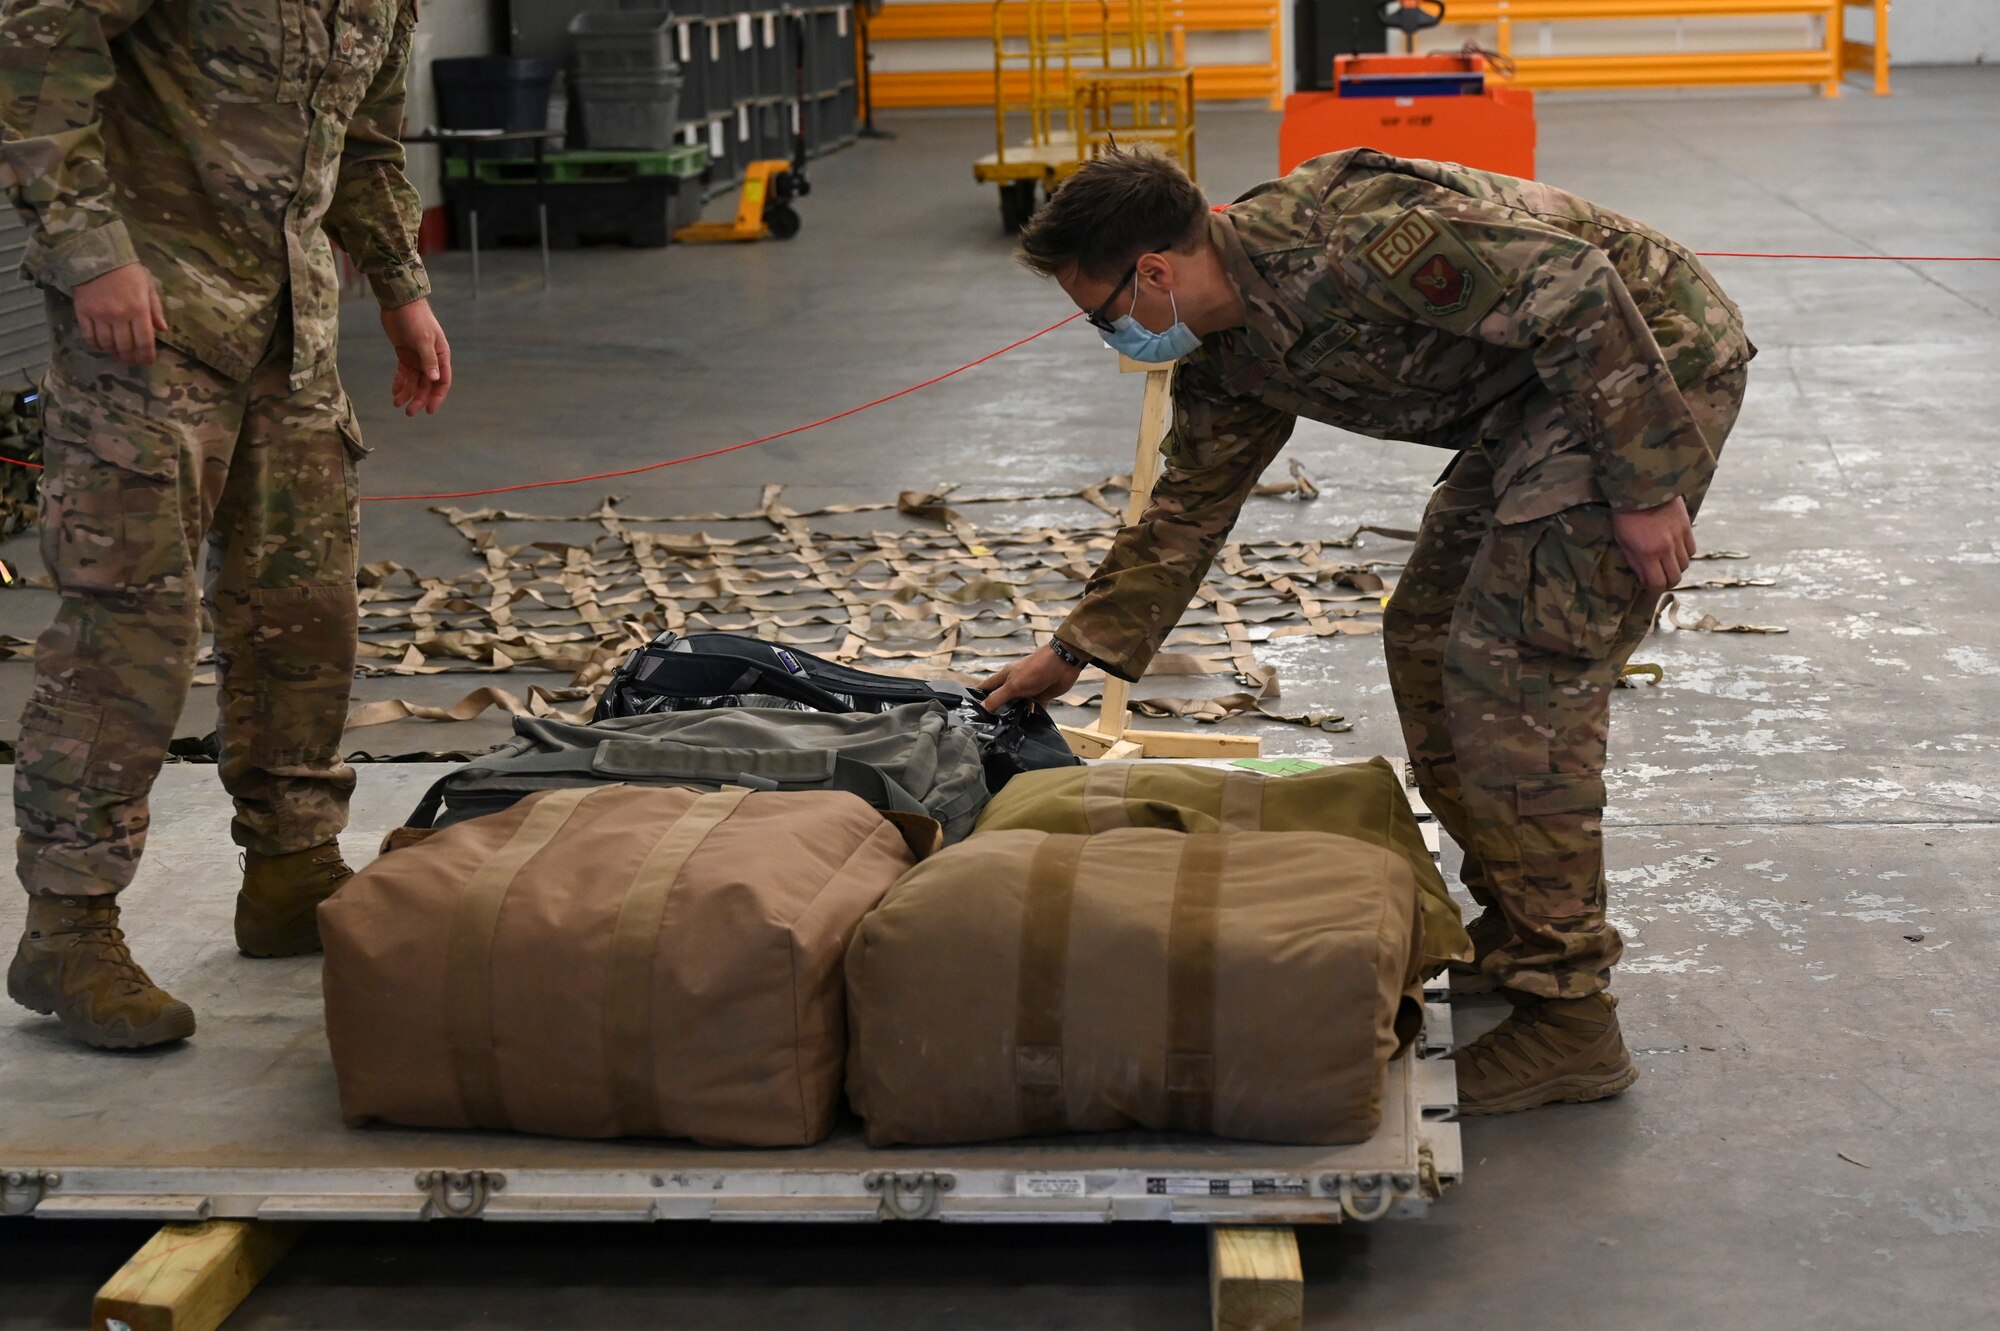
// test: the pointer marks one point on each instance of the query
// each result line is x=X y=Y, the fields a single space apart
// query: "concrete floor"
x=1804 y=826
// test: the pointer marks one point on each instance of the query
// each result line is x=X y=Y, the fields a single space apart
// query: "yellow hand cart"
x=1082 y=78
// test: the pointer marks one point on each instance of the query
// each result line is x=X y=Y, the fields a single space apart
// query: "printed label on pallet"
x=1049 y=1185
x=840 y=21
x=687 y=43
x=770 y=30
x=1185 y=1186
x=744 y=39
x=715 y=139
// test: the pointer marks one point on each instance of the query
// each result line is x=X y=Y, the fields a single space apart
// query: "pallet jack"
x=763 y=204
x=764 y=200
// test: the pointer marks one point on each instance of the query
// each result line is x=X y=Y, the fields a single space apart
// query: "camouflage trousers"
x=145 y=463
x=1504 y=641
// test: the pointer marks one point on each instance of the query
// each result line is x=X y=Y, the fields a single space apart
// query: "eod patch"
x=1410 y=237
x=1426 y=265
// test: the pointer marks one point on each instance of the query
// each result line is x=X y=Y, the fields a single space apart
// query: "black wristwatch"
x=1068 y=655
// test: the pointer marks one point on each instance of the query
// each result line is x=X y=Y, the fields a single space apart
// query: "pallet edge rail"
x=932 y=20
x=1824 y=65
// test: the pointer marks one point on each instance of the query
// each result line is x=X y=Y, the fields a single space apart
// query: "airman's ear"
x=1157 y=270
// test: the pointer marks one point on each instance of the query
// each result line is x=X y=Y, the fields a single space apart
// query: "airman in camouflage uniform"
x=1584 y=369
x=200 y=151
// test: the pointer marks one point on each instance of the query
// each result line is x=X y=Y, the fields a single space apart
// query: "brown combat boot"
x=1547 y=1051
x=1488 y=933
x=277 y=912
x=73 y=963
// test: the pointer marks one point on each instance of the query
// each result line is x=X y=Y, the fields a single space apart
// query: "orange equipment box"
x=1442 y=107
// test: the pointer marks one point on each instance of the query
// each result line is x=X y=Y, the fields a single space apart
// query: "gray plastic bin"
x=630 y=111
x=622 y=42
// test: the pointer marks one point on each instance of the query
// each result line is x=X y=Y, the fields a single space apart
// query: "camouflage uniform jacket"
x=1425 y=302
x=217 y=141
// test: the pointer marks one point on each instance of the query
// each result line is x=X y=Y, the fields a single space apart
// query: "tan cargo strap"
x=468 y=967
x=1038 y=1018
x=1242 y=808
x=629 y=1029
x=1104 y=792
x=1191 y=985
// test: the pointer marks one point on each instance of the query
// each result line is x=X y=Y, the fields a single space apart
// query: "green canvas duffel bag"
x=1362 y=800
x=914 y=759
x=1022 y=984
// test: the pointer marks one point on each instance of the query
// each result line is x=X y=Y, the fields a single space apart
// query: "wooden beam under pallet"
x=1255 y=1282
x=191 y=1277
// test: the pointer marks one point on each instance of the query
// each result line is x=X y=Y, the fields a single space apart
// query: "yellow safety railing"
x=1823 y=65
x=1870 y=58
x=929 y=20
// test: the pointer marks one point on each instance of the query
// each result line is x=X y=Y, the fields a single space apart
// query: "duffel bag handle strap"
x=1191 y=936
x=468 y=982
x=1242 y=808
x=630 y=1034
x=1043 y=980
x=1104 y=792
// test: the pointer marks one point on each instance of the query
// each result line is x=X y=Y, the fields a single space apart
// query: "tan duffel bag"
x=1363 y=800
x=610 y=961
x=1251 y=985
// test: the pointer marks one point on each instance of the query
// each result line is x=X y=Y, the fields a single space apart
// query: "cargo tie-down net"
x=937 y=594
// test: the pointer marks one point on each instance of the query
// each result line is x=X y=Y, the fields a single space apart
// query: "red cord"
x=693 y=457
x=718 y=452
x=1876 y=258
x=991 y=355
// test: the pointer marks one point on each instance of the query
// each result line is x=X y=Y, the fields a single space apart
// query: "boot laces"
x=107 y=940
x=1520 y=1046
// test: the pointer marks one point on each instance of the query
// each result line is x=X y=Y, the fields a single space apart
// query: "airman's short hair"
x=1128 y=202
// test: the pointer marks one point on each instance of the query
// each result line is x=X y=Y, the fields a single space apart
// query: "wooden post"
x=1155 y=414
x=1109 y=736
x=1254 y=1279
x=191 y=1277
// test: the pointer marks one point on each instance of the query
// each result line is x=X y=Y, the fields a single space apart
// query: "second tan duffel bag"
x=609 y=961
x=1250 y=985
x=1363 y=800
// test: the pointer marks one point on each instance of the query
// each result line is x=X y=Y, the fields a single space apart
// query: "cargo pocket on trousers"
x=63 y=744
x=57 y=740
x=1558 y=815
x=1577 y=587
x=105 y=527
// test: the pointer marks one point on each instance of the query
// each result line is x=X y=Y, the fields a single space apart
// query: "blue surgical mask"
x=1134 y=339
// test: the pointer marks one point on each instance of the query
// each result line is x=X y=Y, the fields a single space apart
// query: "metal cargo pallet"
x=242 y=1124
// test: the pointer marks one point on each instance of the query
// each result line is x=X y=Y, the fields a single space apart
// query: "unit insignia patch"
x=1445 y=287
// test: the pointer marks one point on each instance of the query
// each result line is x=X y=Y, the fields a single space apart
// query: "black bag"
x=676 y=672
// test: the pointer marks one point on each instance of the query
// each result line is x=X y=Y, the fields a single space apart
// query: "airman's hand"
x=1658 y=543
x=120 y=314
x=423 y=358
x=1041 y=675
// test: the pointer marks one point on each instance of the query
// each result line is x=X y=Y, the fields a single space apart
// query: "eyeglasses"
x=1096 y=317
